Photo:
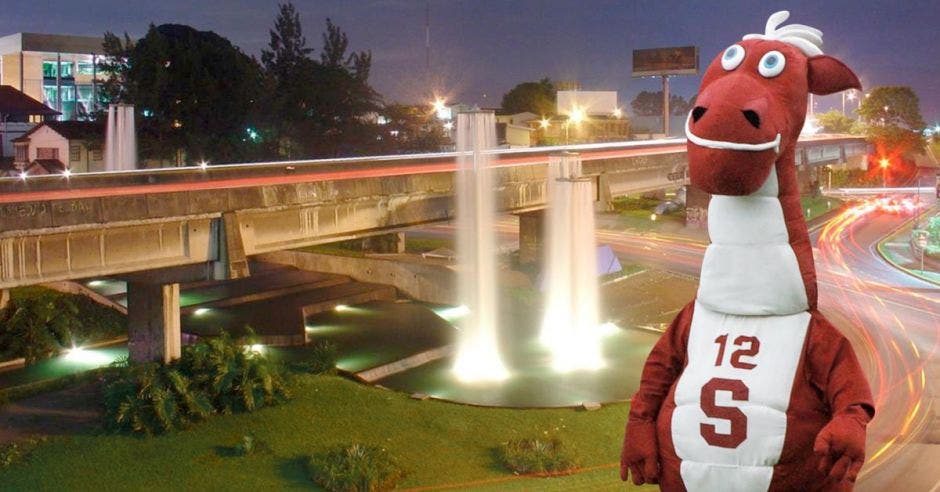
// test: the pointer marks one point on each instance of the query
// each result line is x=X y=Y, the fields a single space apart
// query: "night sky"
x=481 y=48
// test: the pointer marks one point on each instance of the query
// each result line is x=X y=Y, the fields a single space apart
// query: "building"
x=513 y=130
x=58 y=70
x=54 y=146
x=18 y=114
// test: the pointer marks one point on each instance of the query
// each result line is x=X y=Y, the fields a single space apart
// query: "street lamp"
x=576 y=116
x=884 y=171
x=617 y=113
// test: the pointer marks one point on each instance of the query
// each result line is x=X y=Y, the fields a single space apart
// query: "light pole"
x=575 y=116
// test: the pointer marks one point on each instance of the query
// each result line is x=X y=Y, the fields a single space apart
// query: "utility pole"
x=666 y=106
x=427 y=46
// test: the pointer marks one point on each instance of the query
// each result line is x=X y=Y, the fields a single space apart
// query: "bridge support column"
x=605 y=199
x=4 y=298
x=153 y=318
x=531 y=237
x=385 y=243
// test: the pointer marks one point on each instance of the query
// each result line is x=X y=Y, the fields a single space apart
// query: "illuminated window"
x=86 y=68
x=47 y=153
x=49 y=69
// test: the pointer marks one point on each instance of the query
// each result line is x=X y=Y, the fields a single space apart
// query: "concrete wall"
x=423 y=282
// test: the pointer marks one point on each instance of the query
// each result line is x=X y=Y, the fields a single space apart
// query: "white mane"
x=807 y=39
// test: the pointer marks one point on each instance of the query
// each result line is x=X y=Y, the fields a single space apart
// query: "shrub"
x=40 y=322
x=152 y=399
x=250 y=444
x=355 y=468
x=235 y=377
x=16 y=452
x=37 y=328
x=322 y=359
x=540 y=456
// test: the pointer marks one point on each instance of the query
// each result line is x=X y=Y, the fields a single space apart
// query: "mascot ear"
x=828 y=75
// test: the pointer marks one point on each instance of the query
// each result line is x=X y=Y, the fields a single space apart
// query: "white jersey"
x=730 y=421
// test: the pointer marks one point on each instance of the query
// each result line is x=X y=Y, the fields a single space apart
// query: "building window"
x=21 y=152
x=49 y=69
x=96 y=155
x=86 y=68
x=47 y=153
x=75 y=153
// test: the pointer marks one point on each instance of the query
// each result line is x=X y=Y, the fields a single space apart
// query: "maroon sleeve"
x=834 y=370
x=663 y=366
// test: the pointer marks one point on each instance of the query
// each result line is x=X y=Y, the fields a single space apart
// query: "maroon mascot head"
x=752 y=104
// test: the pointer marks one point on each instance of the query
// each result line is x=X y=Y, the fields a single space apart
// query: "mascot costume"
x=751 y=388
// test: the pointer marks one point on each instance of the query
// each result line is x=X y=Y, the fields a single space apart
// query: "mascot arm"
x=840 y=445
x=640 y=455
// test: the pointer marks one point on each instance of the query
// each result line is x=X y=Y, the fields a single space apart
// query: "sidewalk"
x=895 y=248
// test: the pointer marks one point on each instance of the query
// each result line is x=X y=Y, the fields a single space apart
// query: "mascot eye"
x=732 y=57
x=771 y=64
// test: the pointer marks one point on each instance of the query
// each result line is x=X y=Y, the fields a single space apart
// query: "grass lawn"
x=440 y=443
x=815 y=206
x=636 y=213
x=425 y=244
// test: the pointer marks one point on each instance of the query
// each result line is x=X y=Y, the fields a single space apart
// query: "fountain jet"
x=570 y=328
x=478 y=356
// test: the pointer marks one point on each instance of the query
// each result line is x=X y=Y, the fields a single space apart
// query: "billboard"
x=681 y=60
x=593 y=103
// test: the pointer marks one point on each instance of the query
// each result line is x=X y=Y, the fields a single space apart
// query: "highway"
x=243 y=175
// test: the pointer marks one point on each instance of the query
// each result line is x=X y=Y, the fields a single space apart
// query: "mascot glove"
x=640 y=455
x=840 y=447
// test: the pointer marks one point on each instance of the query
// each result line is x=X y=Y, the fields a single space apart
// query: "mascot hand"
x=640 y=455
x=840 y=447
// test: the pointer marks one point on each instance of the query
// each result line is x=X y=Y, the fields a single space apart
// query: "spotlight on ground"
x=81 y=355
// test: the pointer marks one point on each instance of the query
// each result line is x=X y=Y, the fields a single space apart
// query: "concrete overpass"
x=161 y=227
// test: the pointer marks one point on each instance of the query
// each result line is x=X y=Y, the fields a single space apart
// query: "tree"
x=894 y=128
x=194 y=88
x=410 y=129
x=834 y=122
x=892 y=106
x=289 y=78
x=648 y=103
x=317 y=108
x=533 y=97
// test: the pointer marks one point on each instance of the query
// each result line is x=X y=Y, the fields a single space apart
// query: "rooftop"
x=51 y=43
x=14 y=102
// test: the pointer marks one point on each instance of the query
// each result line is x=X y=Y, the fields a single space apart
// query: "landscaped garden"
x=433 y=443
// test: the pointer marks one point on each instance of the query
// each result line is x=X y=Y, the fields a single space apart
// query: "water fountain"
x=570 y=328
x=478 y=351
x=120 y=139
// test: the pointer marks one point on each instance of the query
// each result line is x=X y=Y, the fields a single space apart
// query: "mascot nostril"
x=752 y=118
x=751 y=388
